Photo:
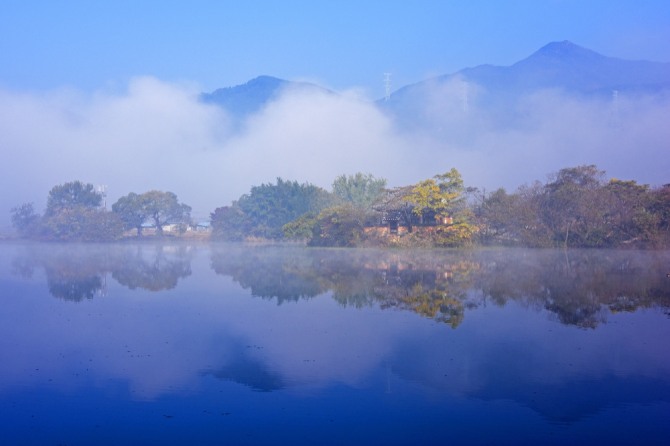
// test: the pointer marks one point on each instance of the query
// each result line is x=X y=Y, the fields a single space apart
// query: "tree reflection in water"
x=578 y=287
x=79 y=272
x=153 y=267
x=431 y=283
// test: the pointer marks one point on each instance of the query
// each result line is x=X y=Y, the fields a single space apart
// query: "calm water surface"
x=178 y=344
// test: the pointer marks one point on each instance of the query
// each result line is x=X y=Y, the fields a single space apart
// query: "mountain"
x=495 y=92
x=499 y=91
x=244 y=100
x=562 y=65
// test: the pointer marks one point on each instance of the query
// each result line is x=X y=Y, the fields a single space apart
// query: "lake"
x=229 y=344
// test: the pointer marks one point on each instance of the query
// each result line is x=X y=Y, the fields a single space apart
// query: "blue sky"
x=340 y=44
x=106 y=93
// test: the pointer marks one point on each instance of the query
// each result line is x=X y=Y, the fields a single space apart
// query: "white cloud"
x=157 y=135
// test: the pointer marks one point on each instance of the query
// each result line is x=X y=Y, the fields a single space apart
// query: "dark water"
x=175 y=344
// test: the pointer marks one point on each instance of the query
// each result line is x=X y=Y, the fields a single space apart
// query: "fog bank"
x=157 y=135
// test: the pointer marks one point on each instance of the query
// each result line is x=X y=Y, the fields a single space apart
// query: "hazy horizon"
x=77 y=104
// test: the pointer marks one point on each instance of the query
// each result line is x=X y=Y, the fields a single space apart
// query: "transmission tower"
x=387 y=86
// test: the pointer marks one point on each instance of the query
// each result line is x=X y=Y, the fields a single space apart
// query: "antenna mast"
x=387 y=86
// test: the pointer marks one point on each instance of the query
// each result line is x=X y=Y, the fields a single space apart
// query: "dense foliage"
x=158 y=207
x=266 y=209
x=74 y=213
x=576 y=207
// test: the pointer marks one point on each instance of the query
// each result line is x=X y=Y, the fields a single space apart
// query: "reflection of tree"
x=73 y=273
x=74 y=289
x=579 y=287
x=152 y=267
x=78 y=272
x=269 y=272
x=429 y=284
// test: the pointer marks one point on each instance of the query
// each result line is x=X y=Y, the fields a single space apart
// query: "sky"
x=340 y=44
x=105 y=92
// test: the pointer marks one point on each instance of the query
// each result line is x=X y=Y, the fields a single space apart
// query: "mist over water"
x=158 y=135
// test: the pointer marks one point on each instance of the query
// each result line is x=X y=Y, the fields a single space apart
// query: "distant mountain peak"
x=265 y=80
x=564 y=50
x=245 y=99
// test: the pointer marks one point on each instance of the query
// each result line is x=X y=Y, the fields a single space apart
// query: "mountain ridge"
x=561 y=65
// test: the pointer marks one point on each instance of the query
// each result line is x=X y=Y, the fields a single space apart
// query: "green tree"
x=573 y=206
x=265 y=210
x=73 y=214
x=25 y=220
x=660 y=206
x=629 y=216
x=439 y=197
x=82 y=224
x=163 y=208
x=360 y=190
x=132 y=210
x=71 y=195
x=441 y=201
x=230 y=223
x=338 y=226
x=302 y=228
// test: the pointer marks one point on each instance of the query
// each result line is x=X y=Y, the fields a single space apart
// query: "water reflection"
x=79 y=272
x=334 y=335
x=152 y=268
x=578 y=287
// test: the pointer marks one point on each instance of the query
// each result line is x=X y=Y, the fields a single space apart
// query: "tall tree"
x=628 y=214
x=164 y=208
x=360 y=190
x=573 y=206
x=159 y=207
x=269 y=207
x=25 y=220
x=132 y=211
x=71 y=195
x=439 y=197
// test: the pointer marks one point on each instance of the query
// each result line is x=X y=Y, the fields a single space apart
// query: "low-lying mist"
x=158 y=135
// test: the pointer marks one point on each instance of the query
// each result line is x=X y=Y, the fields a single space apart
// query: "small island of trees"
x=576 y=207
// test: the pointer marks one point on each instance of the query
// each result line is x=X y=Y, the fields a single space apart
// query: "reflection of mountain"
x=503 y=373
x=154 y=268
x=578 y=398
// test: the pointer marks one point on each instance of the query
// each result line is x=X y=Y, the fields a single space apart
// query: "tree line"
x=74 y=212
x=576 y=207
